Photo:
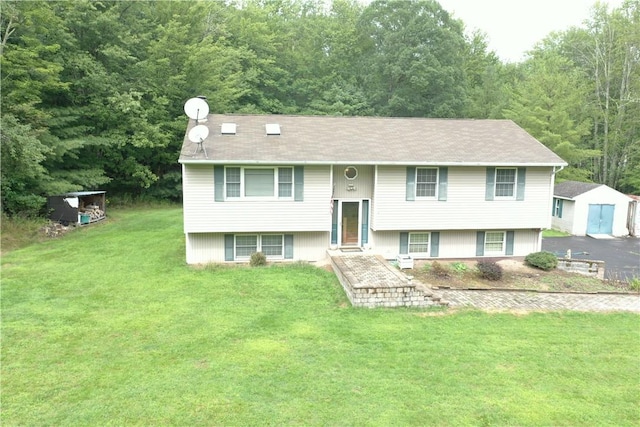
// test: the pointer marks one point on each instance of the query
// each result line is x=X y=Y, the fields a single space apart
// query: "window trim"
x=504 y=243
x=514 y=184
x=276 y=183
x=259 y=246
x=427 y=252
x=436 y=184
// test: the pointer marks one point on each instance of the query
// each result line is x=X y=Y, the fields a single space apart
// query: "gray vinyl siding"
x=203 y=248
x=359 y=188
x=465 y=207
x=455 y=244
x=202 y=214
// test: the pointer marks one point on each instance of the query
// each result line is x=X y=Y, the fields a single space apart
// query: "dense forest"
x=92 y=91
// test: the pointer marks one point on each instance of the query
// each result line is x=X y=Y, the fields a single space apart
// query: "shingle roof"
x=368 y=140
x=571 y=189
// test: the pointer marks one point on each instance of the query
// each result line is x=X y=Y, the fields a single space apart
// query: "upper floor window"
x=426 y=182
x=259 y=182
x=505 y=182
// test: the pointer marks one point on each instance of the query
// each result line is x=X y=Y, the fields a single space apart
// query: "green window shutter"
x=411 y=183
x=298 y=178
x=522 y=175
x=365 y=222
x=490 y=184
x=443 y=183
x=218 y=183
x=510 y=237
x=480 y=243
x=334 y=222
x=553 y=206
x=435 y=243
x=288 y=246
x=404 y=243
x=228 y=247
x=561 y=203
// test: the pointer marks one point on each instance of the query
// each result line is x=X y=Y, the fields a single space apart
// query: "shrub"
x=439 y=270
x=634 y=284
x=543 y=260
x=489 y=270
x=459 y=267
x=257 y=259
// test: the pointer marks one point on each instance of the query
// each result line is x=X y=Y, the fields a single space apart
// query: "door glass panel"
x=350 y=223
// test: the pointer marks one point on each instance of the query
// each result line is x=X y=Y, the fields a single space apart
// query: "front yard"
x=108 y=326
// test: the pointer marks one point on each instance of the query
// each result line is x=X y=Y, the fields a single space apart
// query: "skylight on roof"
x=228 y=128
x=272 y=129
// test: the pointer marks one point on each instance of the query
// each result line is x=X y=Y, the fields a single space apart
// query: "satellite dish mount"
x=198 y=110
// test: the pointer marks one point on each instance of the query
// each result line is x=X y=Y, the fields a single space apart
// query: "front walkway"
x=539 y=301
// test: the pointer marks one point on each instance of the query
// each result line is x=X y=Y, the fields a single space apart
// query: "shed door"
x=600 y=219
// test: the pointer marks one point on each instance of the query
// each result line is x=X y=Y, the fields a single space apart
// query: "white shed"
x=583 y=208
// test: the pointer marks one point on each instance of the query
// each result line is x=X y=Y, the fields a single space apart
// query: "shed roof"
x=571 y=189
x=367 y=140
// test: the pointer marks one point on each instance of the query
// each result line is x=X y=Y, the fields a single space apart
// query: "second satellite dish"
x=196 y=109
x=198 y=133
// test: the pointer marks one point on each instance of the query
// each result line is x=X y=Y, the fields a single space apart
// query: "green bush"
x=634 y=284
x=489 y=270
x=258 y=259
x=459 y=267
x=543 y=260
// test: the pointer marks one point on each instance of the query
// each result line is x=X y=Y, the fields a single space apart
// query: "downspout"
x=556 y=169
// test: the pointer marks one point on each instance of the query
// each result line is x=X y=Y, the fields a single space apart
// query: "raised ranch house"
x=293 y=187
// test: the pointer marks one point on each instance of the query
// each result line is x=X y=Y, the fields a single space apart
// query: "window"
x=246 y=245
x=557 y=207
x=494 y=242
x=233 y=182
x=351 y=173
x=271 y=245
x=285 y=182
x=505 y=182
x=426 y=182
x=418 y=243
x=243 y=182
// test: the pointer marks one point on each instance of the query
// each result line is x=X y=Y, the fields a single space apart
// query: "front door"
x=350 y=224
x=600 y=220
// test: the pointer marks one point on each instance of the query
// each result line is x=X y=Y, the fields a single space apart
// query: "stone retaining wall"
x=582 y=266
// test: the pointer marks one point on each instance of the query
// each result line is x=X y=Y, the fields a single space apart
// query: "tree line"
x=92 y=91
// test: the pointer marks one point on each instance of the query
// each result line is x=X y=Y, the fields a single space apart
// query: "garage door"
x=600 y=219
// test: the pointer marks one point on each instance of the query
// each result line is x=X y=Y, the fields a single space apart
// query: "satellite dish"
x=198 y=134
x=196 y=109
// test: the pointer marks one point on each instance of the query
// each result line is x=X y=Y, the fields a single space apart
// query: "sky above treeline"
x=515 y=26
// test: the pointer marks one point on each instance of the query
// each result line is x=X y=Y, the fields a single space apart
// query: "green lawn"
x=108 y=326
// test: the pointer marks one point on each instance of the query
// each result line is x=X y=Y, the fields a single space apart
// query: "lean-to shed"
x=81 y=207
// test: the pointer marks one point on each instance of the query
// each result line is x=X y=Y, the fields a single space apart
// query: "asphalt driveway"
x=621 y=255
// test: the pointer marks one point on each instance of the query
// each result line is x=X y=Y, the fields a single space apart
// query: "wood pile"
x=54 y=229
x=94 y=212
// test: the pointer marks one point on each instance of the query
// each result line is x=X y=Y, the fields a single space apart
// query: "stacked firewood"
x=94 y=212
x=54 y=229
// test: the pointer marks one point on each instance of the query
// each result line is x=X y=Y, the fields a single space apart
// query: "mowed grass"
x=109 y=326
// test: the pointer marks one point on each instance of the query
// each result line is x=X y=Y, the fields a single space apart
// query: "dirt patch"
x=463 y=274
